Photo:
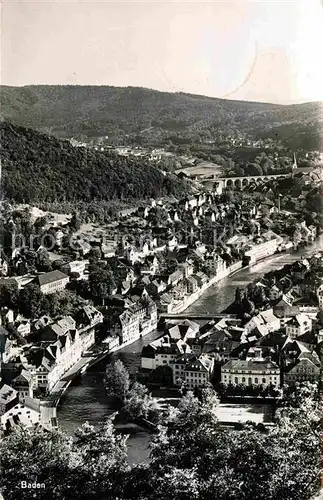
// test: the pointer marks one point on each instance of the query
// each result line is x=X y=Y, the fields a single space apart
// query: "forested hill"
x=103 y=110
x=37 y=167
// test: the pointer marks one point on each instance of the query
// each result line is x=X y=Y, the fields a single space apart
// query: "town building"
x=304 y=369
x=8 y=398
x=275 y=292
x=161 y=352
x=24 y=384
x=319 y=294
x=77 y=268
x=250 y=372
x=22 y=326
x=60 y=346
x=298 y=325
x=52 y=282
x=136 y=321
x=26 y=414
x=261 y=250
x=5 y=345
x=198 y=373
x=191 y=371
x=192 y=284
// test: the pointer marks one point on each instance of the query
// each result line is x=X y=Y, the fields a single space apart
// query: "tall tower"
x=294 y=163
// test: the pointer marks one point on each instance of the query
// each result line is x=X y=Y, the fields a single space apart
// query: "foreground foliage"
x=192 y=457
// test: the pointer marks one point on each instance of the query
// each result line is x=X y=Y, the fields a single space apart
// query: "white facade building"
x=250 y=372
x=262 y=250
x=298 y=325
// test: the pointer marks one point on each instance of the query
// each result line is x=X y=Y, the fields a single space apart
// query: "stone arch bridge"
x=241 y=182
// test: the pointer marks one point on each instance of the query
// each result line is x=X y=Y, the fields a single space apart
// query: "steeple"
x=294 y=163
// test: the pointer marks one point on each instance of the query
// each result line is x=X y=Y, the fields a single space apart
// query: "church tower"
x=294 y=166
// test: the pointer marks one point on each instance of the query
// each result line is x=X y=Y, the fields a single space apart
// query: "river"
x=87 y=401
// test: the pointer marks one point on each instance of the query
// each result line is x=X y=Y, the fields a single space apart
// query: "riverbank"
x=49 y=413
x=188 y=300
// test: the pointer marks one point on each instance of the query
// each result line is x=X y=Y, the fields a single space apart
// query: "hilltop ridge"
x=68 y=110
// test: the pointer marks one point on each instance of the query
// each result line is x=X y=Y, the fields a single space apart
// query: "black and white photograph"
x=161 y=250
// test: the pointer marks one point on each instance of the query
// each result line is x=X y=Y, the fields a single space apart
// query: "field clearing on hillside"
x=204 y=168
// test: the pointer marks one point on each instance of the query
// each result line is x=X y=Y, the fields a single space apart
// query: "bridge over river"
x=201 y=315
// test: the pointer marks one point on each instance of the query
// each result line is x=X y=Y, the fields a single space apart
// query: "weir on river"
x=87 y=401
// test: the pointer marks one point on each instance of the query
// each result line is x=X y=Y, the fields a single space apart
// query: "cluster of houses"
x=245 y=353
x=51 y=348
x=279 y=344
x=163 y=259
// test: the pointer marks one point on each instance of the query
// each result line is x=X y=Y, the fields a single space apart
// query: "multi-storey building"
x=27 y=414
x=250 y=372
x=8 y=398
x=192 y=284
x=199 y=372
x=52 y=282
x=262 y=250
x=24 y=384
x=192 y=371
x=303 y=369
x=179 y=366
x=319 y=294
x=298 y=325
x=60 y=346
x=22 y=326
x=215 y=264
x=76 y=267
x=161 y=352
x=136 y=321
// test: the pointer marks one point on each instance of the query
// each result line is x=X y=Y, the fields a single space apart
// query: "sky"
x=265 y=50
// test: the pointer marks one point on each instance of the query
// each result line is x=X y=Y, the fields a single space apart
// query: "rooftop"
x=51 y=277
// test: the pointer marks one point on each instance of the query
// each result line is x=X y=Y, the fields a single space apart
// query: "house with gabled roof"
x=5 y=345
x=175 y=278
x=138 y=319
x=162 y=352
x=184 y=330
x=275 y=292
x=157 y=286
x=220 y=345
x=298 y=325
x=166 y=303
x=191 y=370
x=198 y=372
x=192 y=284
x=87 y=316
x=150 y=266
x=285 y=307
x=8 y=398
x=178 y=368
x=24 y=383
x=177 y=291
x=22 y=325
x=306 y=367
x=6 y=316
x=26 y=414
